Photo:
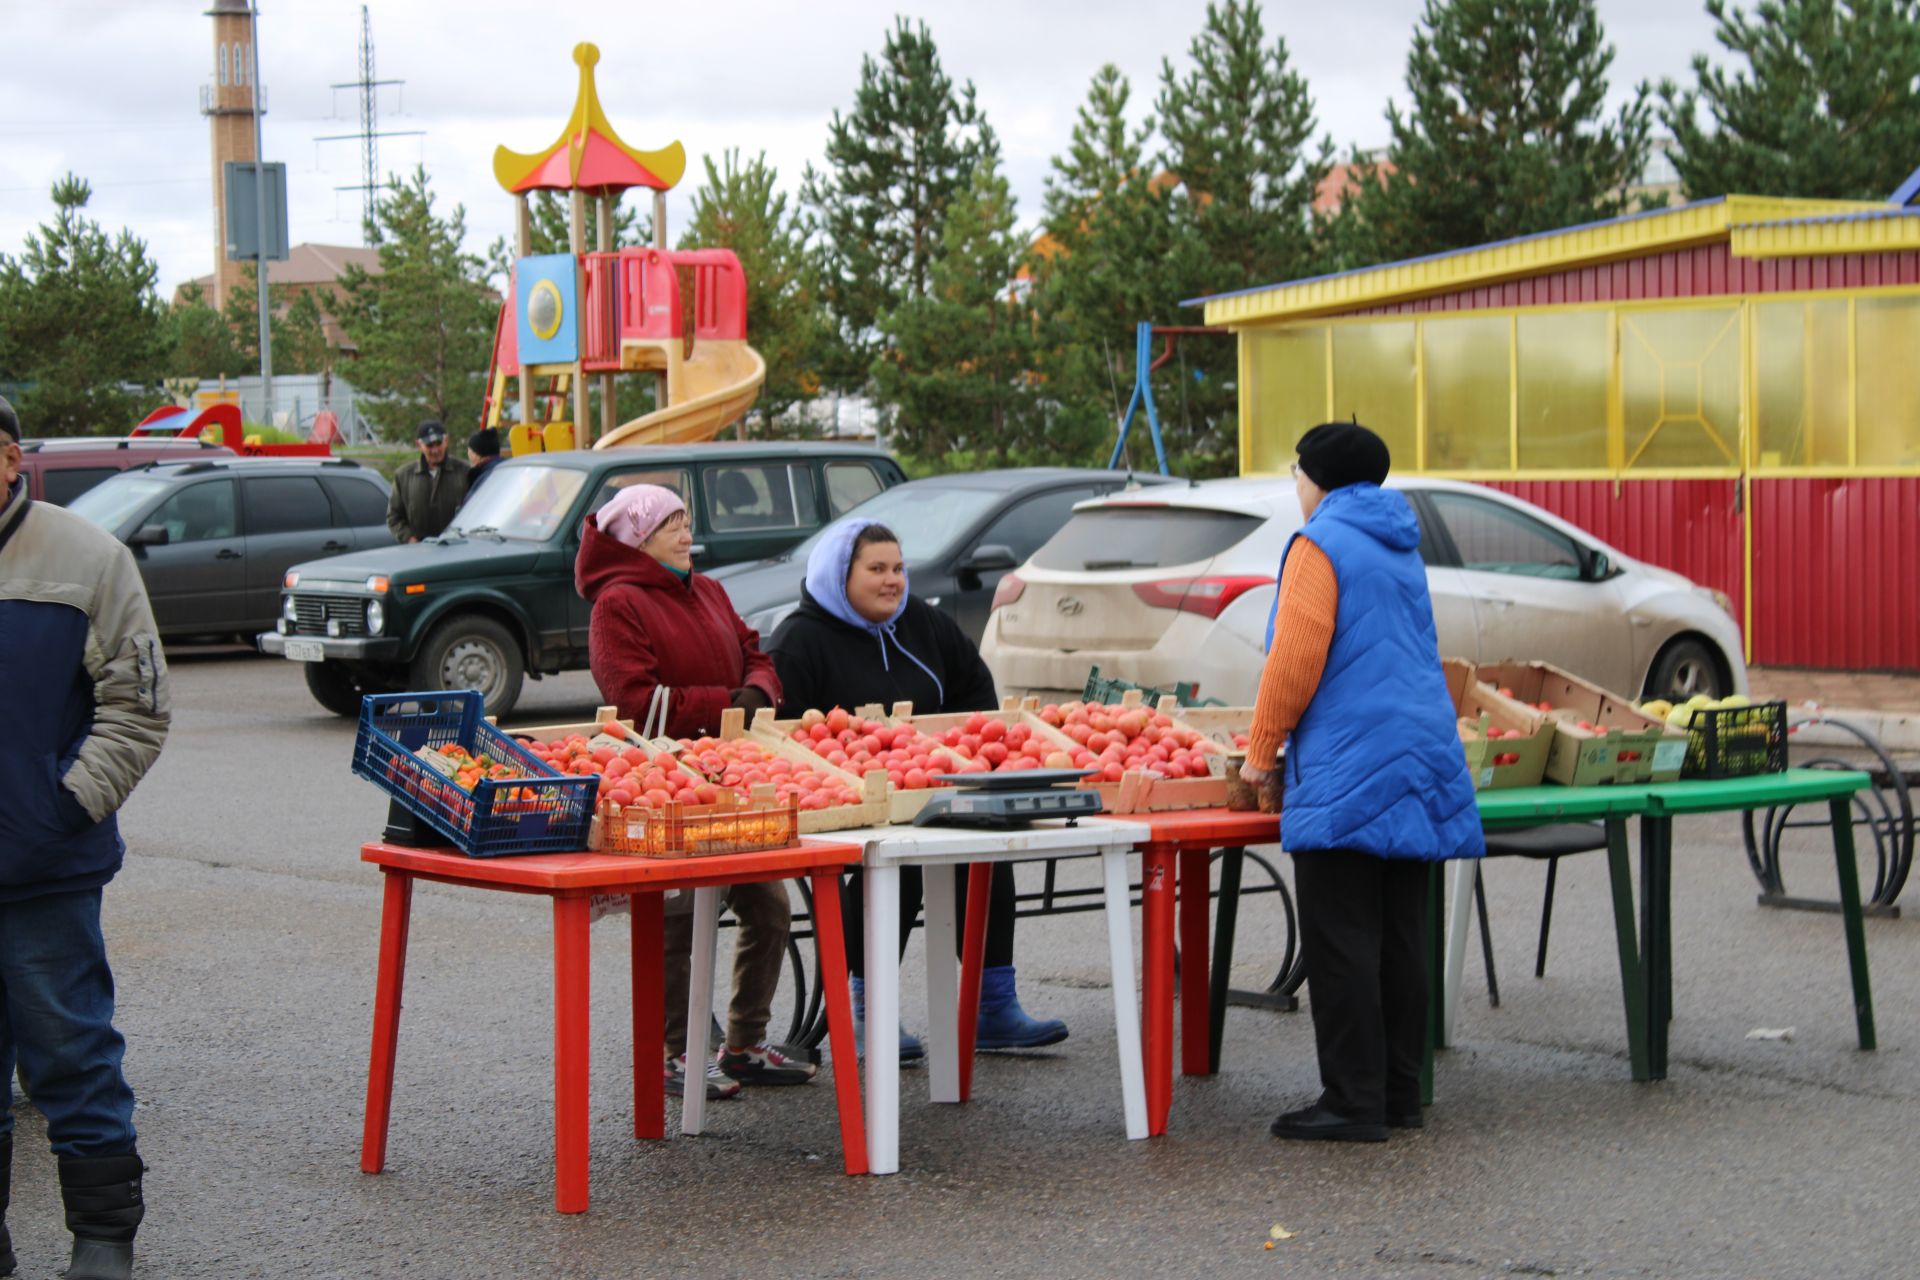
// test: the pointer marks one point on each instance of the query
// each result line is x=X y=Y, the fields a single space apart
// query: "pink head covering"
x=636 y=513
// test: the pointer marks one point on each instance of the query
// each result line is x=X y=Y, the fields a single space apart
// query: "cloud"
x=111 y=90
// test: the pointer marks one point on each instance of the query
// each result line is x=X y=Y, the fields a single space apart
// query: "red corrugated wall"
x=1836 y=572
x=1688 y=526
x=1679 y=273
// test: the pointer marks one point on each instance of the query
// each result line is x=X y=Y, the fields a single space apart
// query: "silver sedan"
x=1177 y=584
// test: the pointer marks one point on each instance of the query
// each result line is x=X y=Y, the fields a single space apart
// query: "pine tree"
x=80 y=322
x=424 y=324
x=1111 y=232
x=200 y=341
x=1239 y=127
x=1826 y=105
x=739 y=208
x=1508 y=132
x=959 y=367
x=894 y=162
x=299 y=328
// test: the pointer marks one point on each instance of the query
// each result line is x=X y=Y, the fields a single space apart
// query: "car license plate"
x=306 y=651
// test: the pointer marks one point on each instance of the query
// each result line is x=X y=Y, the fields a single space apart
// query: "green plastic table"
x=1646 y=969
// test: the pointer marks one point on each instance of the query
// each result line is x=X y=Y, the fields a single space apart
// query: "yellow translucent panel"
x=1565 y=366
x=1888 y=346
x=1469 y=398
x=1287 y=373
x=1800 y=383
x=1680 y=387
x=1373 y=383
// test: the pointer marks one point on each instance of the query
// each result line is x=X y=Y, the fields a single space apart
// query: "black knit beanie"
x=1337 y=454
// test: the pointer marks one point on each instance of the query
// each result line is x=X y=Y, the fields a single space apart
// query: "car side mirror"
x=1599 y=568
x=150 y=535
x=990 y=557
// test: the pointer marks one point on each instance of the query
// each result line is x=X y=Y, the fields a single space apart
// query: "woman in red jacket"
x=658 y=623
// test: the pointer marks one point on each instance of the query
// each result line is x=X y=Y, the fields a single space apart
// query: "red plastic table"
x=571 y=880
x=1176 y=853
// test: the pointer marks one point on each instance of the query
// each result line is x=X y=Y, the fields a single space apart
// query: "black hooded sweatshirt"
x=824 y=663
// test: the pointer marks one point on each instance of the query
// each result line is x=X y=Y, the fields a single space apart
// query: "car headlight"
x=766 y=620
x=287 y=609
x=376 y=617
x=1720 y=598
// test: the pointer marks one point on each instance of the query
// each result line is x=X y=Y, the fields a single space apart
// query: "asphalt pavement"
x=243 y=934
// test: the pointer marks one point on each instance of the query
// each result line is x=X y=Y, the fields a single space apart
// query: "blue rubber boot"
x=1003 y=1023
x=911 y=1050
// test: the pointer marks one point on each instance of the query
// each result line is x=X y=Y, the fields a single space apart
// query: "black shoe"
x=1317 y=1124
x=104 y=1208
x=764 y=1064
x=1406 y=1119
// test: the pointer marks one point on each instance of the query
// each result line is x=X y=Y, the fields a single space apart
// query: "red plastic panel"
x=1689 y=526
x=600 y=311
x=1834 y=567
x=1680 y=273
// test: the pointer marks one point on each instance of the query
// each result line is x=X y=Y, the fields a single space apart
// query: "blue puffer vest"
x=1375 y=763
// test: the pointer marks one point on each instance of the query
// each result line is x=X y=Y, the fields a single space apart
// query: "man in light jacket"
x=87 y=711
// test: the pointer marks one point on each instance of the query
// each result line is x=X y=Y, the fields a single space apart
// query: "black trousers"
x=1363 y=928
x=999 y=913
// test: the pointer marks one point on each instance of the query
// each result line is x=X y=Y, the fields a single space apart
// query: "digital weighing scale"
x=1008 y=799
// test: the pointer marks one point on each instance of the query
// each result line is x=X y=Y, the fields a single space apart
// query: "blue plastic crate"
x=485 y=823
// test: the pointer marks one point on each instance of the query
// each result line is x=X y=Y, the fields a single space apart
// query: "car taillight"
x=1009 y=590
x=1204 y=596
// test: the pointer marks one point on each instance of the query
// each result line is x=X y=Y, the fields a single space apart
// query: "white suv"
x=1178 y=585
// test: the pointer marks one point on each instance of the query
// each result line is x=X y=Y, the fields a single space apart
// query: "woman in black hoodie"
x=858 y=637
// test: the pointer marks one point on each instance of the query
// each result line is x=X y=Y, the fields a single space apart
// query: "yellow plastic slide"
x=718 y=384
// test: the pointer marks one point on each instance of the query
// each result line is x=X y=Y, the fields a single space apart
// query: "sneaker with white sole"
x=719 y=1087
x=763 y=1064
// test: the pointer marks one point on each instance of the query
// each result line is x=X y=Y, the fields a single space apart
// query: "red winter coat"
x=650 y=628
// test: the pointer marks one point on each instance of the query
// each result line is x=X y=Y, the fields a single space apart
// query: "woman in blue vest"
x=1375 y=783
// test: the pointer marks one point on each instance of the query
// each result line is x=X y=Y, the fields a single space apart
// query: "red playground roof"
x=589 y=155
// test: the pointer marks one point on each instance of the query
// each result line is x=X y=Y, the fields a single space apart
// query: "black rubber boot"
x=7 y=1261
x=104 y=1208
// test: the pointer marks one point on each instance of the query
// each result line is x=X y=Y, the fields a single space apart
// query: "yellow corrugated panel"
x=1512 y=259
x=1864 y=235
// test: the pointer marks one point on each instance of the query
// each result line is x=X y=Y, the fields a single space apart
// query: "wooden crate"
x=903 y=803
x=872 y=809
x=555 y=732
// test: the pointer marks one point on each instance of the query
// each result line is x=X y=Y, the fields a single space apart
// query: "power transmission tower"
x=370 y=132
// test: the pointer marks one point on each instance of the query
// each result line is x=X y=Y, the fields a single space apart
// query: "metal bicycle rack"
x=1885 y=810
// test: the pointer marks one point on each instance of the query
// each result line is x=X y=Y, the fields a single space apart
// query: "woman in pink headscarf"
x=658 y=623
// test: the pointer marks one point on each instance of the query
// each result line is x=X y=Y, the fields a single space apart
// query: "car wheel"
x=1685 y=668
x=472 y=652
x=335 y=687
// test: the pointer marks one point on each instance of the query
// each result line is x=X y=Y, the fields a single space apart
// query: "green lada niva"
x=491 y=601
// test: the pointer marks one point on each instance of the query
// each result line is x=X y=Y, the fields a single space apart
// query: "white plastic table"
x=888 y=849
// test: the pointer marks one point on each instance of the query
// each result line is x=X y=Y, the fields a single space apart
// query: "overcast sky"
x=109 y=89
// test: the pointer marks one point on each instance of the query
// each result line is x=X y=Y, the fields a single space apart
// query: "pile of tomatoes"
x=1117 y=739
x=912 y=760
x=741 y=763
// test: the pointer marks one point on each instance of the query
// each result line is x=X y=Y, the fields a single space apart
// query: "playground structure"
x=223 y=425
x=601 y=312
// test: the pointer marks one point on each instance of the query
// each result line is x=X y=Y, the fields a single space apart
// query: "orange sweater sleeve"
x=1302 y=634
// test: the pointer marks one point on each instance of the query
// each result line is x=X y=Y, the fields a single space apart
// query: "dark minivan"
x=492 y=600
x=213 y=537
